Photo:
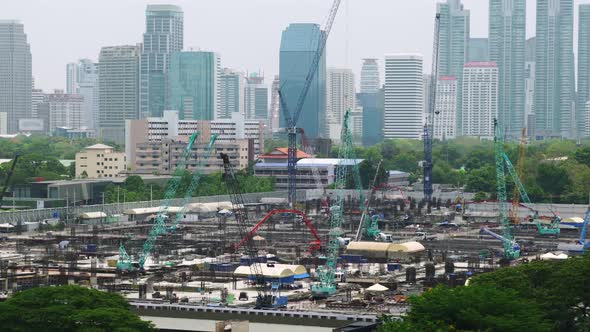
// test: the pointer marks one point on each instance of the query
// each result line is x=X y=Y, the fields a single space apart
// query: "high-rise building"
x=529 y=86
x=480 y=99
x=478 y=50
x=274 y=104
x=37 y=98
x=15 y=73
x=554 y=69
x=256 y=98
x=445 y=112
x=372 y=104
x=232 y=86
x=71 y=77
x=370 y=82
x=82 y=79
x=403 y=90
x=586 y=121
x=65 y=110
x=118 y=73
x=583 y=68
x=299 y=44
x=164 y=35
x=453 y=43
x=340 y=96
x=507 y=26
x=193 y=84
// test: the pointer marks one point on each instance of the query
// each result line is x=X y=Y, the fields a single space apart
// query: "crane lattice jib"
x=326 y=273
x=264 y=299
x=159 y=226
x=509 y=251
x=516 y=179
x=520 y=171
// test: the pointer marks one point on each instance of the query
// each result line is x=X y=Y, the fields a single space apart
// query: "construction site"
x=345 y=255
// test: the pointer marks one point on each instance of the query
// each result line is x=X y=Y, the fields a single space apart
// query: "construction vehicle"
x=510 y=250
x=326 y=274
x=159 y=227
x=581 y=245
x=291 y=119
x=265 y=298
x=428 y=164
x=8 y=177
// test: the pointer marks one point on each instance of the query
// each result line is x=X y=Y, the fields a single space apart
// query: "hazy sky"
x=245 y=32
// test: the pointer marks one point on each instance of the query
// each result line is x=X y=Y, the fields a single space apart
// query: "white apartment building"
x=480 y=99
x=231 y=93
x=403 y=96
x=100 y=161
x=445 y=109
x=340 y=96
x=65 y=110
x=3 y=123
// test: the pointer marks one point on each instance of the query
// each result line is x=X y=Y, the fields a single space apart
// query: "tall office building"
x=554 y=69
x=15 y=73
x=274 y=104
x=583 y=68
x=478 y=50
x=232 y=86
x=65 y=110
x=82 y=79
x=370 y=82
x=71 y=77
x=480 y=99
x=37 y=98
x=453 y=43
x=372 y=104
x=529 y=86
x=445 y=112
x=403 y=96
x=340 y=96
x=299 y=44
x=118 y=73
x=507 y=26
x=193 y=84
x=164 y=35
x=256 y=98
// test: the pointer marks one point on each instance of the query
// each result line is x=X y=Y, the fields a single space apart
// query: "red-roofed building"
x=279 y=155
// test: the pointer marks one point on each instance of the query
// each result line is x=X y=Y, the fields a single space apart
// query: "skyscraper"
x=403 y=89
x=275 y=104
x=445 y=112
x=529 y=86
x=256 y=98
x=340 y=96
x=15 y=73
x=507 y=27
x=163 y=36
x=583 y=69
x=372 y=104
x=65 y=110
x=118 y=72
x=82 y=79
x=478 y=50
x=480 y=99
x=554 y=69
x=370 y=82
x=299 y=44
x=193 y=84
x=232 y=86
x=71 y=77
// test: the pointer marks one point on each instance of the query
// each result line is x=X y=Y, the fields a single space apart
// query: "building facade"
x=232 y=85
x=370 y=81
x=118 y=90
x=529 y=86
x=372 y=105
x=65 y=110
x=275 y=105
x=453 y=43
x=554 y=69
x=480 y=99
x=99 y=161
x=445 y=112
x=583 y=68
x=507 y=26
x=164 y=35
x=403 y=96
x=15 y=73
x=82 y=79
x=340 y=97
x=299 y=44
x=478 y=50
x=193 y=84
x=256 y=98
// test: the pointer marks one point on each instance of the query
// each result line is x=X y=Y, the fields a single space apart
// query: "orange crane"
x=520 y=171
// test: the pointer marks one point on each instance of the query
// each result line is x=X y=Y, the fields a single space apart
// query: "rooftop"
x=98 y=147
x=281 y=153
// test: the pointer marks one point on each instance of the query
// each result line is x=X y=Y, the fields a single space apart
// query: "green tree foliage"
x=582 y=155
x=69 y=308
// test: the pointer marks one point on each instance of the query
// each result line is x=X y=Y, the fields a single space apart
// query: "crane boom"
x=520 y=171
x=365 y=213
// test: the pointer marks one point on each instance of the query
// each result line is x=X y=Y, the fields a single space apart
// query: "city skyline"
x=239 y=49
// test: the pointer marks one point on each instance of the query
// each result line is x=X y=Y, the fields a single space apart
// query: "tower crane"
x=264 y=298
x=427 y=164
x=520 y=170
x=371 y=227
x=291 y=119
x=326 y=273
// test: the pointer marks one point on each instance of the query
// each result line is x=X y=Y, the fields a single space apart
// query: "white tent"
x=377 y=288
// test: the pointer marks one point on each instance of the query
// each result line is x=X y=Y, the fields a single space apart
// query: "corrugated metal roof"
x=155 y=209
x=267 y=271
x=368 y=246
x=93 y=215
x=408 y=247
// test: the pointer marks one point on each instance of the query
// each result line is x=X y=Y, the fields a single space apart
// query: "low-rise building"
x=398 y=178
x=164 y=157
x=100 y=161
